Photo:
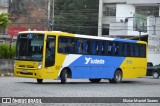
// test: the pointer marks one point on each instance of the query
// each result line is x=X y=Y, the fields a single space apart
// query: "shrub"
x=7 y=52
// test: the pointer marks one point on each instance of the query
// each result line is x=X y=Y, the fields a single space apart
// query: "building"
x=27 y=15
x=116 y=18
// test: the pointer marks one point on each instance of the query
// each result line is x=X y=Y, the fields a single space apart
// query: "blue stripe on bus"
x=125 y=40
x=89 y=66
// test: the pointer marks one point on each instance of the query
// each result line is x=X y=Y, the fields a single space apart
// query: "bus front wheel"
x=94 y=80
x=117 y=77
x=63 y=76
x=39 y=81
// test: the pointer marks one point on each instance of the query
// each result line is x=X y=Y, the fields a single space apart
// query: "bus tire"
x=94 y=80
x=39 y=81
x=117 y=77
x=63 y=76
x=155 y=75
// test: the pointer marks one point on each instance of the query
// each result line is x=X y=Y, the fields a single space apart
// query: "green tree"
x=76 y=16
x=4 y=21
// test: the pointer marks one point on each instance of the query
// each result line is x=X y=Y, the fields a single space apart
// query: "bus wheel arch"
x=118 y=75
x=65 y=73
x=120 y=71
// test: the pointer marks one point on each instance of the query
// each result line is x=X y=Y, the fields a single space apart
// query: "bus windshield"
x=29 y=47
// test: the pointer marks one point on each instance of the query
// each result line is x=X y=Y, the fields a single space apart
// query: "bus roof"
x=86 y=36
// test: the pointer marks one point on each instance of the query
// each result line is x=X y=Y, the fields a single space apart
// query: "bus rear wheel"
x=94 y=80
x=39 y=81
x=117 y=77
x=63 y=76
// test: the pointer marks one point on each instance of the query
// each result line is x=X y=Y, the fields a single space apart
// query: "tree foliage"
x=76 y=16
x=4 y=21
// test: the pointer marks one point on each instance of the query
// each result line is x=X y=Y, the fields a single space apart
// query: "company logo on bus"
x=94 y=61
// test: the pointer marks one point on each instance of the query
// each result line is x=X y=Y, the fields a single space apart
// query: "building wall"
x=154 y=40
x=3 y=10
x=154 y=49
x=123 y=11
x=124 y=21
x=142 y=1
x=117 y=28
x=114 y=1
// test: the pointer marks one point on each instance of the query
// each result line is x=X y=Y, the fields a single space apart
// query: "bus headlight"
x=39 y=65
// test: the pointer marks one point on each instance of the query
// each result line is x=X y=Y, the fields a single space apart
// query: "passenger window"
x=69 y=45
x=79 y=46
x=143 y=51
x=115 y=49
x=100 y=48
x=109 y=48
x=62 y=45
x=94 y=47
x=128 y=49
x=86 y=44
x=66 y=45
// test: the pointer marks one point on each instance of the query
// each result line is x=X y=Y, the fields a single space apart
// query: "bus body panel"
x=133 y=67
x=90 y=66
x=27 y=69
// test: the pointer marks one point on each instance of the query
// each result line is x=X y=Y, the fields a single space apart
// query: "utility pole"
x=50 y=14
x=100 y=18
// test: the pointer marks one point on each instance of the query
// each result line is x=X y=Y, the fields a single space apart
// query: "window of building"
x=4 y=1
x=148 y=10
x=109 y=10
x=105 y=29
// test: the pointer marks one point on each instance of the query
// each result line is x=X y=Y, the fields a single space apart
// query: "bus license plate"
x=24 y=71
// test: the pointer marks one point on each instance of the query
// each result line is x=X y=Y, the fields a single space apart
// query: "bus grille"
x=26 y=73
x=30 y=66
x=22 y=66
x=26 y=66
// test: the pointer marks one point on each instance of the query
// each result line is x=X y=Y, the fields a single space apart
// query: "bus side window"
x=120 y=49
x=125 y=50
x=113 y=48
x=128 y=49
x=99 y=52
x=142 y=50
x=70 y=44
x=116 y=49
x=94 y=46
x=136 y=50
x=78 y=46
x=108 y=48
x=131 y=49
x=85 y=46
x=62 y=45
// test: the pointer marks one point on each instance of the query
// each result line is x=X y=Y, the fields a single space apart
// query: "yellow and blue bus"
x=62 y=55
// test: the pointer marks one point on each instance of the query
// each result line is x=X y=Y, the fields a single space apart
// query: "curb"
x=6 y=74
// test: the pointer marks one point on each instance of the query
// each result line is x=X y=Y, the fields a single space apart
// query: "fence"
x=6 y=67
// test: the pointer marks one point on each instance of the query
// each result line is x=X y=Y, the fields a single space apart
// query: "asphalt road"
x=26 y=87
